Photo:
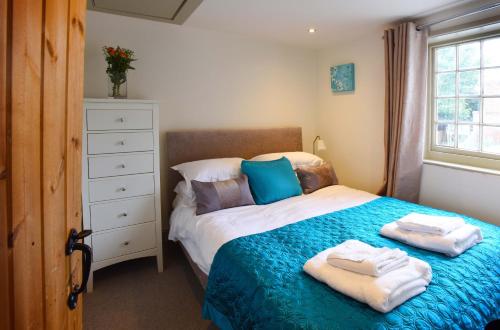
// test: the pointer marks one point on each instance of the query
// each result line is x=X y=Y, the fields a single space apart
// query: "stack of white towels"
x=448 y=235
x=383 y=278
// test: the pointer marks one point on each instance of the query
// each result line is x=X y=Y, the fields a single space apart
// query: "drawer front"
x=119 y=119
x=121 y=187
x=102 y=143
x=122 y=213
x=100 y=167
x=123 y=241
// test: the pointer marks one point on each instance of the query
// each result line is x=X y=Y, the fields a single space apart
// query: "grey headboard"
x=191 y=145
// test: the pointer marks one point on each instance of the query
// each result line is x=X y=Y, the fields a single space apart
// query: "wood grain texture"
x=6 y=320
x=41 y=97
x=5 y=279
x=4 y=46
x=26 y=230
x=74 y=106
x=53 y=162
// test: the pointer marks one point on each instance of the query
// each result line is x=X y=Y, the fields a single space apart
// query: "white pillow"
x=209 y=170
x=297 y=158
x=185 y=196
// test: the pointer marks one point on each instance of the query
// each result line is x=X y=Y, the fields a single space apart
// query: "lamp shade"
x=320 y=145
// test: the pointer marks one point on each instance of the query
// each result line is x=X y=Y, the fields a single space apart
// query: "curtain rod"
x=467 y=13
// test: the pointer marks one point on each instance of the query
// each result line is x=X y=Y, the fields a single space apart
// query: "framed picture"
x=342 y=77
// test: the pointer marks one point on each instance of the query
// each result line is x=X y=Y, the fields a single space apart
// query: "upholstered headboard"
x=191 y=145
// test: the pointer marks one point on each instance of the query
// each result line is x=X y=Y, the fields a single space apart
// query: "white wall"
x=352 y=124
x=471 y=193
x=205 y=79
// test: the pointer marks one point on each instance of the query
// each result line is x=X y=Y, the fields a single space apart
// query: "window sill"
x=462 y=167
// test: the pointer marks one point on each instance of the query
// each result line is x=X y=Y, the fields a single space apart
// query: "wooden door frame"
x=41 y=100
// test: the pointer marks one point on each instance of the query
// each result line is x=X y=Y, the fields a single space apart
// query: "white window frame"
x=448 y=154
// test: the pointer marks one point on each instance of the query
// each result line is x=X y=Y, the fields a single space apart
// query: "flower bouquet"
x=118 y=60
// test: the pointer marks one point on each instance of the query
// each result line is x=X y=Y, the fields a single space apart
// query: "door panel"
x=53 y=162
x=41 y=75
x=74 y=127
x=25 y=168
x=5 y=281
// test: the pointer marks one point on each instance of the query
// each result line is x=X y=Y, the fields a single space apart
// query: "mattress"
x=257 y=282
x=203 y=235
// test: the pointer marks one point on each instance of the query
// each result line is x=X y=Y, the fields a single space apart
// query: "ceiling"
x=287 y=21
x=171 y=11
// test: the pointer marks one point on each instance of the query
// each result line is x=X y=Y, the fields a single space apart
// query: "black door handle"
x=71 y=246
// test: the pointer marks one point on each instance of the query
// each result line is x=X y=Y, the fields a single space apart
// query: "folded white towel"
x=363 y=258
x=381 y=293
x=451 y=244
x=431 y=224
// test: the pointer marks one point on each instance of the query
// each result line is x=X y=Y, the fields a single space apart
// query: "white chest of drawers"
x=121 y=181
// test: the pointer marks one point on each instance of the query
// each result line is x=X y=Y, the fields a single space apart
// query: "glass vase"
x=117 y=86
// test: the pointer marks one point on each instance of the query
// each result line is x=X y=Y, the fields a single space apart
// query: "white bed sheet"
x=203 y=235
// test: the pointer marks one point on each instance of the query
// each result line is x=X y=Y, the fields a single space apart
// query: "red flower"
x=122 y=53
x=111 y=51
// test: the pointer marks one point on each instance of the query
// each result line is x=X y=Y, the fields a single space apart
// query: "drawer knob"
x=124 y=214
x=126 y=243
x=121 y=166
x=121 y=119
x=122 y=189
x=122 y=142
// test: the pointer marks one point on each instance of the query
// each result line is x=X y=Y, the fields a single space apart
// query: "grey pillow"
x=316 y=177
x=213 y=196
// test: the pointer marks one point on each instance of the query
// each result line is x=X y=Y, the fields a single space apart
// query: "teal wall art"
x=342 y=78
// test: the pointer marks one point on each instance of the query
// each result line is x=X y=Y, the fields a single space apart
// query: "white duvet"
x=203 y=235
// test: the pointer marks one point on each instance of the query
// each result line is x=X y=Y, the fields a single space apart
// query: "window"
x=465 y=98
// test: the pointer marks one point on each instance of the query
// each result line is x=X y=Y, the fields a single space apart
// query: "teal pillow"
x=271 y=181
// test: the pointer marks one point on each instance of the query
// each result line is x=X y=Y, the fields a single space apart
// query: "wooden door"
x=41 y=95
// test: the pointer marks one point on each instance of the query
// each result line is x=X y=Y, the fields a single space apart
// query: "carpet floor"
x=133 y=295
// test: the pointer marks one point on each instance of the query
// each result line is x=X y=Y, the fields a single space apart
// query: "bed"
x=254 y=254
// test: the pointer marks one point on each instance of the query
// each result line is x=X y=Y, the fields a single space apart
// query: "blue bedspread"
x=257 y=281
